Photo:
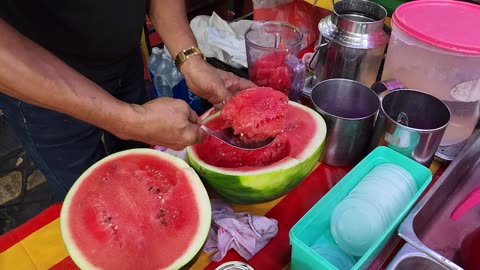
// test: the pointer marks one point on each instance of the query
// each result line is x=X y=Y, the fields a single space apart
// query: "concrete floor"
x=23 y=190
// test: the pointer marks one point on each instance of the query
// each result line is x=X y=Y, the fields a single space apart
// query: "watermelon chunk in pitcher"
x=280 y=71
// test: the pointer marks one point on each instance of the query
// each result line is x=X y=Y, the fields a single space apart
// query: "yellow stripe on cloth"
x=40 y=250
x=434 y=167
x=326 y=4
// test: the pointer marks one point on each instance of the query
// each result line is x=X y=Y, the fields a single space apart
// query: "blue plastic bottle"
x=169 y=82
x=198 y=104
x=181 y=90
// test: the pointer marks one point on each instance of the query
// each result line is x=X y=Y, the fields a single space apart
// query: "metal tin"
x=234 y=265
x=429 y=227
x=352 y=42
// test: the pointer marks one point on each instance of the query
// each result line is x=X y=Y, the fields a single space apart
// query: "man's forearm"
x=170 y=21
x=32 y=74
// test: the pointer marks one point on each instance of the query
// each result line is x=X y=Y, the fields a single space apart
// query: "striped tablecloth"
x=38 y=244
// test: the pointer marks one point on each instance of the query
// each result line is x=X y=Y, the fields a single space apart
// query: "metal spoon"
x=227 y=136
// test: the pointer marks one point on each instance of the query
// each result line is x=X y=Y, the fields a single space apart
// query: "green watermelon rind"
x=202 y=199
x=266 y=183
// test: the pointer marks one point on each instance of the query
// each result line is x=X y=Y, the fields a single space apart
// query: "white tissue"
x=219 y=39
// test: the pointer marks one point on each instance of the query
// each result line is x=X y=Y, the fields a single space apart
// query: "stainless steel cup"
x=412 y=123
x=349 y=109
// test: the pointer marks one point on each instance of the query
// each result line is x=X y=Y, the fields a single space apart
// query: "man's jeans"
x=63 y=147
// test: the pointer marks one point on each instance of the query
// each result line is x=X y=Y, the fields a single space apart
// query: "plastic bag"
x=297 y=12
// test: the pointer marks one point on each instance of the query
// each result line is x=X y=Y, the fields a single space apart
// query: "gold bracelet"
x=185 y=54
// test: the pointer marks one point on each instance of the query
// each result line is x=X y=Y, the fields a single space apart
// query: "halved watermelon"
x=136 y=209
x=243 y=176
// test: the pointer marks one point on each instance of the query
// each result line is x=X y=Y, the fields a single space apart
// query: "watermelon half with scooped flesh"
x=136 y=209
x=252 y=176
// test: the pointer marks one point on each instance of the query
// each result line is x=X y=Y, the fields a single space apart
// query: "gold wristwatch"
x=185 y=54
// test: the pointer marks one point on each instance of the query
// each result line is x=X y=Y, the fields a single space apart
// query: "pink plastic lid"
x=451 y=25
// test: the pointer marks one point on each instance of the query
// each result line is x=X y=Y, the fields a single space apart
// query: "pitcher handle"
x=387 y=85
x=298 y=76
x=381 y=87
x=318 y=56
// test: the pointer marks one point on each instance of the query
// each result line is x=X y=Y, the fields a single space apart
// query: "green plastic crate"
x=314 y=226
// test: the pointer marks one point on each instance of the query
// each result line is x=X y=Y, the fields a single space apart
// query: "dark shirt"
x=87 y=34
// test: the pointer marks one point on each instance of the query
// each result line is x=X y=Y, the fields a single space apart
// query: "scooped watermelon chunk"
x=272 y=71
x=216 y=152
x=256 y=114
x=137 y=209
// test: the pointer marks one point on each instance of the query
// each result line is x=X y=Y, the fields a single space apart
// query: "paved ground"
x=17 y=173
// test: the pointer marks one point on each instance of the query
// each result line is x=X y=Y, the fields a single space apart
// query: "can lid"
x=234 y=265
x=447 y=24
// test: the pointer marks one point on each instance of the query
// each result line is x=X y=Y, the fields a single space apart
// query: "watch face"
x=185 y=54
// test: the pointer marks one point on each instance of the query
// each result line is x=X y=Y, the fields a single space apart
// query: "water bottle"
x=180 y=89
x=160 y=66
x=169 y=82
x=153 y=63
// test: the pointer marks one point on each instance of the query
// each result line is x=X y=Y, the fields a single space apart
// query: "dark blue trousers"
x=63 y=147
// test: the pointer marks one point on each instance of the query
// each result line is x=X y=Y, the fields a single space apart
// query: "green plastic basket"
x=314 y=226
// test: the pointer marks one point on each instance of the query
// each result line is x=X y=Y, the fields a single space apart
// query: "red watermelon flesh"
x=257 y=113
x=134 y=213
x=296 y=135
x=272 y=71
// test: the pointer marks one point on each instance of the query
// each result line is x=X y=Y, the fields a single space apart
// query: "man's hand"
x=210 y=83
x=164 y=121
x=170 y=20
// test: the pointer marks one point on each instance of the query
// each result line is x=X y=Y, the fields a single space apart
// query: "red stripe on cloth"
x=276 y=254
x=16 y=235
x=65 y=264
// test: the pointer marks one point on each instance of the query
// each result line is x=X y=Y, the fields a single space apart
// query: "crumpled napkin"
x=222 y=40
x=245 y=233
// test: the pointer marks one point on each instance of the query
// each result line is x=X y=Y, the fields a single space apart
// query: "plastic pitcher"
x=435 y=48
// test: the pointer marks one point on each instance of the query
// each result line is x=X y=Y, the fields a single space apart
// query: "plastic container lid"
x=451 y=25
x=355 y=225
x=335 y=255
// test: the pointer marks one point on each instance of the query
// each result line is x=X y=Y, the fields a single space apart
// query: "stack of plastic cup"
x=334 y=255
x=359 y=219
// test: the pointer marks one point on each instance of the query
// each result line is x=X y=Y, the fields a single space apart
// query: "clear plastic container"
x=435 y=48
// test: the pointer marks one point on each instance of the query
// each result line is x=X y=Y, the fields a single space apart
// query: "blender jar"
x=272 y=56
